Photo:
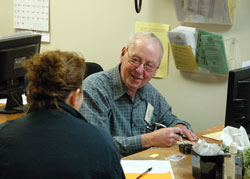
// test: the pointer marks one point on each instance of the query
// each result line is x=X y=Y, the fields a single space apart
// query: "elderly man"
x=123 y=102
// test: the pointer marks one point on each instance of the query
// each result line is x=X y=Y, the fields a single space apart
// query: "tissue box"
x=210 y=167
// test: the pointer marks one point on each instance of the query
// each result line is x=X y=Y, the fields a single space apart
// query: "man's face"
x=139 y=63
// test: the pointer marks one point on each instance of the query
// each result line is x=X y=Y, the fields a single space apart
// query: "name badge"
x=149 y=114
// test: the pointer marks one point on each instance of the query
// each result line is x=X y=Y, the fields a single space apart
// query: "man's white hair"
x=148 y=36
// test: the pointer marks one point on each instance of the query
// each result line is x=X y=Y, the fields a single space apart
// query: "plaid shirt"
x=107 y=104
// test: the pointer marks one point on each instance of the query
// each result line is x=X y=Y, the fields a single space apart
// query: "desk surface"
x=5 y=117
x=182 y=168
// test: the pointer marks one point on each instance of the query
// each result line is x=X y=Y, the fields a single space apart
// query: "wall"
x=98 y=30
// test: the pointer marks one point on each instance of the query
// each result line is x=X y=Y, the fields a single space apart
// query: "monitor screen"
x=238 y=99
x=14 y=50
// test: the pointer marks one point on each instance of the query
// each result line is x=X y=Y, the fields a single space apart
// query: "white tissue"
x=241 y=140
x=207 y=149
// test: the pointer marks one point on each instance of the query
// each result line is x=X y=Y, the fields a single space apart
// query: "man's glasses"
x=149 y=67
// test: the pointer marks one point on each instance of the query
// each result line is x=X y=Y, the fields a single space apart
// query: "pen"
x=144 y=173
x=160 y=125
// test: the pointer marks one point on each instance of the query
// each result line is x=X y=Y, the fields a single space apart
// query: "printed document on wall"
x=31 y=15
x=161 y=31
x=184 y=57
x=215 y=53
x=183 y=45
x=205 y=11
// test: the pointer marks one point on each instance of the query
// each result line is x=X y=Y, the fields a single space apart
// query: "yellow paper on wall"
x=161 y=31
x=184 y=57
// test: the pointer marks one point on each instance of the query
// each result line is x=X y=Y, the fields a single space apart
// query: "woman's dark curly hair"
x=52 y=76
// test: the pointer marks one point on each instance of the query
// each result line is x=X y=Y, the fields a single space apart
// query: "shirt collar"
x=118 y=85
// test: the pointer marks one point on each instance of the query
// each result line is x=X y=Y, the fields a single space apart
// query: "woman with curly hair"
x=53 y=140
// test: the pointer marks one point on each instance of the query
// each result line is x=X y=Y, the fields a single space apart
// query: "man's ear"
x=123 y=52
x=124 y=49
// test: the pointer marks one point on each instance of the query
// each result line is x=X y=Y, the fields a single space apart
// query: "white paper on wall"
x=31 y=15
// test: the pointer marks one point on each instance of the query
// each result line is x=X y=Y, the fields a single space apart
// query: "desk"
x=181 y=169
x=5 y=117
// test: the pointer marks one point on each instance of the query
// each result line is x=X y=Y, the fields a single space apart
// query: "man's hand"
x=166 y=137
x=189 y=134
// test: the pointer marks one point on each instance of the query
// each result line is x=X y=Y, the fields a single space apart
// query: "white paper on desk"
x=140 y=166
x=214 y=135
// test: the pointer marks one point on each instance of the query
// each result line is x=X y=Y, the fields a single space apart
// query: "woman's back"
x=56 y=144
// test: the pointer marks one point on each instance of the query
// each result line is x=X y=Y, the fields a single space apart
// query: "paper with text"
x=160 y=30
x=182 y=35
x=31 y=15
x=214 y=50
x=205 y=11
x=200 y=53
x=184 y=57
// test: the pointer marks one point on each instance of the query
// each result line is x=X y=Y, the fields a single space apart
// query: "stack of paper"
x=182 y=35
x=183 y=44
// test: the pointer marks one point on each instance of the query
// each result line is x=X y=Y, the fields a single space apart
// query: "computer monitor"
x=238 y=99
x=14 y=50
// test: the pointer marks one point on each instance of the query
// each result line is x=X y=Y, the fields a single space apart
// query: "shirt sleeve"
x=128 y=145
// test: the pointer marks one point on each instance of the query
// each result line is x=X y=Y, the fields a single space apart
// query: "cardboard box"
x=210 y=167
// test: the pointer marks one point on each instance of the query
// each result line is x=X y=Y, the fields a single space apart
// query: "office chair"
x=91 y=68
